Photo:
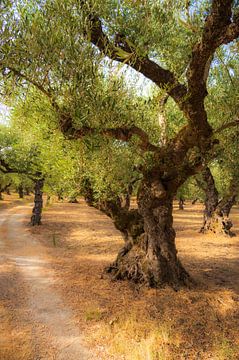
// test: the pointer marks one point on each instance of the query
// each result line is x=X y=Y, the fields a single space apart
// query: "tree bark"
x=226 y=204
x=20 y=191
x=38 y=202
x=181 y=203
x=27 y=191
x=215 y=220
x=6 y=189
x=152 y=258
x=128 y=222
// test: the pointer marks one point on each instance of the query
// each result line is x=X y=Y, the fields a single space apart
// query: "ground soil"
x=56 y=302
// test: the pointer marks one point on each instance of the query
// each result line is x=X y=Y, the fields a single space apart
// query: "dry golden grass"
x=122 y=321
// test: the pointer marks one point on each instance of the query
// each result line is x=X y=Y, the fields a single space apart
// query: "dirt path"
x=35 y=322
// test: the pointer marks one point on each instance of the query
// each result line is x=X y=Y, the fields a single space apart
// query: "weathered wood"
x=38 y=202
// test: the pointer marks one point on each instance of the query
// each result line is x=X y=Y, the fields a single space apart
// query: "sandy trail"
x=40 y=325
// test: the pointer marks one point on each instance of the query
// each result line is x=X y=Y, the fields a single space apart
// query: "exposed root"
x=134 y=264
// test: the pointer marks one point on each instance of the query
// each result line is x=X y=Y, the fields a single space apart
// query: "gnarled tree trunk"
x=38 y=202
x=215 y=219
x=227 y=203
x=152 y=258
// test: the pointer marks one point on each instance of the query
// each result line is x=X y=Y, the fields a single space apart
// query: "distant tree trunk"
x=48 y=199
x=5 y=189
x=181 y=203
x=8 y=192
x=27 y=191
x=127 y=197
x=20 y=191
x=88 y=192
x=60 y=195
x=73 y=200
x=152 y=258
x=194 y=201
x=38 y=202
x=215 y=220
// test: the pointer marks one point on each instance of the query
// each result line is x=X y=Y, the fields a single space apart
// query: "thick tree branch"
x=232 y=31
x=121 y=133
x=126 y=54
x=214 y=34
x=5 y=168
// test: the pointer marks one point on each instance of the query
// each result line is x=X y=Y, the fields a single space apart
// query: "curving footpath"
x=40 y=326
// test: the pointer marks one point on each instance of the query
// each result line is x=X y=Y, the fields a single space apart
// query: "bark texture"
x=151 y=258
x=216 y=213
x=38 y=202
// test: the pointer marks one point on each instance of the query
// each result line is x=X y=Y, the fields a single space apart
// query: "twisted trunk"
x=152 y=257
x=216 y=218
x=38 y=202
x=226 y=204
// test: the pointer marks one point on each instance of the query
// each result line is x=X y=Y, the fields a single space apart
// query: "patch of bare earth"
x=122 y=321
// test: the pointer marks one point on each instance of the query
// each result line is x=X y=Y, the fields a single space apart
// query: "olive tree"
x=63 y=49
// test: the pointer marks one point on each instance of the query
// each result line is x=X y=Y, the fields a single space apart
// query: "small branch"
x=226 y=126
x=36 y=84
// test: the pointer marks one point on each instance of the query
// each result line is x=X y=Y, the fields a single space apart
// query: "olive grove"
x=73 y=52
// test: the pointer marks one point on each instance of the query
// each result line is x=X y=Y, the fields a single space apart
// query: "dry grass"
x=122 y=321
